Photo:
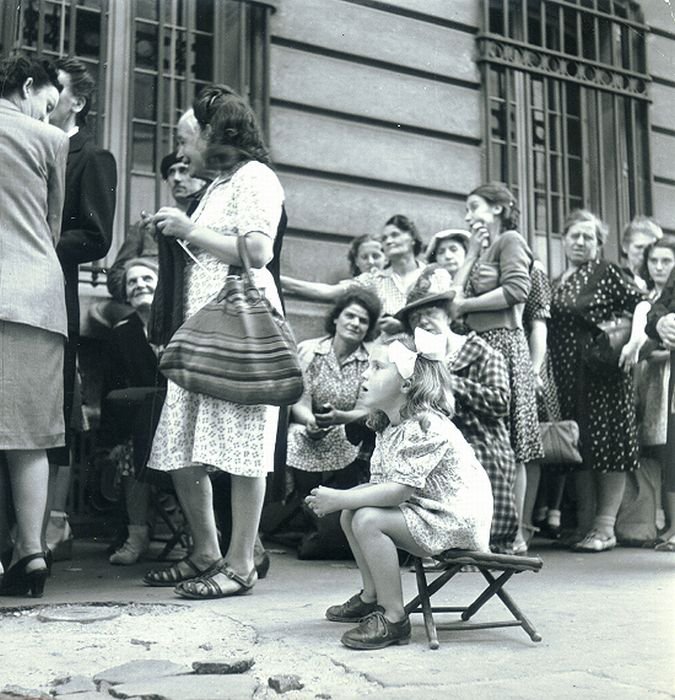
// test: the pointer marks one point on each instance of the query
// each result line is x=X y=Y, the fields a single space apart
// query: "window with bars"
x=55 y=28
x=566 y=112
x=150 y=58
x=178 y=46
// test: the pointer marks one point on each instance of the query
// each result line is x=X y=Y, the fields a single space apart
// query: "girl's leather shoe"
x=376 y=632
x=354 y=610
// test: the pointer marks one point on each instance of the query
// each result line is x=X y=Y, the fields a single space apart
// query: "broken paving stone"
x=12 y=692
x=134 y=671
x=84 y=614
x=284 y=683
x=103 y=687
x=193 y=687
x=223 y=666
x=73 y=684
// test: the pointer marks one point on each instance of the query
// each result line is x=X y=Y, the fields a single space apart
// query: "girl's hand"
x=314 y=432
x=329 y=418
x=480 y=239
x=171 y=221
x=323 y=500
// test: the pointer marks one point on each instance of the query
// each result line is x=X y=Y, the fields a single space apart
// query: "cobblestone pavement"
x=606 y=622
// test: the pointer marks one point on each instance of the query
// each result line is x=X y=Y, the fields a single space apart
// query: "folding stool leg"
x=494 y=587
x=425 y=601
x=515 y=611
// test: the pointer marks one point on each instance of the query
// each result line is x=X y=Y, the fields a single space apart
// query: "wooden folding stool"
x=453 y=560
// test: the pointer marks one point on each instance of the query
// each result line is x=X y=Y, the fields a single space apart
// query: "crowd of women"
x=510 y=349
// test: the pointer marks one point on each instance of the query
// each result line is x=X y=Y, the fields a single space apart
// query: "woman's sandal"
x=595 y=542
x=666 y=545
x=173 y=575
x=207 y=586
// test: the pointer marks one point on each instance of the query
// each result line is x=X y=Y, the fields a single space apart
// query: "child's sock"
x=553 y=517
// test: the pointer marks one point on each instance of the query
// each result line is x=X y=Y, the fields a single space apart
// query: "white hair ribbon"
x=429 y=345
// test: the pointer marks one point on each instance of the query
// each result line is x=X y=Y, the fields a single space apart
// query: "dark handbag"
x=237 y=347
x=560 y=440
x=607 y=340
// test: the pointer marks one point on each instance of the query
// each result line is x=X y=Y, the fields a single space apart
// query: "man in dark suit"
x=87 y=224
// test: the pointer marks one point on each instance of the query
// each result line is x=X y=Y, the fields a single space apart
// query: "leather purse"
x=607 y=340
x=238 y=348
x=561 y=442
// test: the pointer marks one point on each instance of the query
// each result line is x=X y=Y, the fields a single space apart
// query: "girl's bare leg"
x=378 y=533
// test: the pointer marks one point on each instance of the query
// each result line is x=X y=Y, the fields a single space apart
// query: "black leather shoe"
x=354 y=610
x=376 y=632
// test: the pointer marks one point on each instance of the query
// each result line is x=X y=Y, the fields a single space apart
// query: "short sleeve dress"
x=451 y=506
x=199 y=429
x=538 y=308
x=328 y=381
x=388 y=287
x=602 y=403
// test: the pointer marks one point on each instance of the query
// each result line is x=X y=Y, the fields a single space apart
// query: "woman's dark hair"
x=498 y=194
x=356 y=294
x=668 y=243
x=403 y=223
x=235 y=133
x=15 y=70
x=82 y=85
x=354 y=248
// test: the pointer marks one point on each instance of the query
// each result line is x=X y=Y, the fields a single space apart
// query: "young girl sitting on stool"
x=427 y=491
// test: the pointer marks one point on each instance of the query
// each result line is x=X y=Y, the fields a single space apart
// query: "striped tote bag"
x=237 y=347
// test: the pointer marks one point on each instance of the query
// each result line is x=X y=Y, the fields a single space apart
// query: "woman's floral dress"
x=200 y=429
x=328 y=381
x=451 y=506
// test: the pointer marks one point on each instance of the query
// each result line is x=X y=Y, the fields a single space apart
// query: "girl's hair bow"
x=428 y=345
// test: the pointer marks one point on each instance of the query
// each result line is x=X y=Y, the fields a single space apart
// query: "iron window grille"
x=566 y=112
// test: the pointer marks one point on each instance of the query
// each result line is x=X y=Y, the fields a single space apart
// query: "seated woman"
x=333 y=365
x=133 y=382
x=479 y=381
x=448 y=249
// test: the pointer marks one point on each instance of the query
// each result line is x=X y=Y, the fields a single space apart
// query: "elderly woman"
x=134 y=385
x=590 y=291
x=480 y=385
x=199 y=433
x=333 y=365
x=32 y=307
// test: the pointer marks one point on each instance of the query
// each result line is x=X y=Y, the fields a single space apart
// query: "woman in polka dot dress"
x=600 y=401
